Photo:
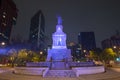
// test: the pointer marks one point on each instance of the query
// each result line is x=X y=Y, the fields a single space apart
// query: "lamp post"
x=2 y=44
x=114 y=47
x=41 y=53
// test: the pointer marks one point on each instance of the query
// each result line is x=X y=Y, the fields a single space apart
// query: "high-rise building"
x=8 y=16
x=37 y=31
x=112 y=42
x=86 y=40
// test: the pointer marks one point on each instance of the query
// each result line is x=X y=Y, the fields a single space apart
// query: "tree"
x=22 y=54
x=108 y=54
x=96 y=54
x=22 y=57
x=12 y=56
x=36 y=58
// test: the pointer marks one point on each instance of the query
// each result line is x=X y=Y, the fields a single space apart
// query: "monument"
x=59 y=60
x=59 y=54
x=59 y=51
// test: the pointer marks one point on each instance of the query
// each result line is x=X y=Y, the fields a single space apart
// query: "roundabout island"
x=59 y=60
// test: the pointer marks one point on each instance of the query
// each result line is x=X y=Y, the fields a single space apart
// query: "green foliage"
x=22 y=54
x=35 y=58
x=105 y=55
x=96 y=54
x=108 y=54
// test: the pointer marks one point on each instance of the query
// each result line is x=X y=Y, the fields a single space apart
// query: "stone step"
x=60 y=73
x=59 y=66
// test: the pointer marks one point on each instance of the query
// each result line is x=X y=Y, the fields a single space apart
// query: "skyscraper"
x=8 y=16
x=86 y=41
x=37 y=31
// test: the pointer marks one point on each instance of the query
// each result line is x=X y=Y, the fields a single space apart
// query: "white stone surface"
x=59 y=49
x=38 y=64
x=30 y=70
x=88 y=70
x=59 y=55
x=60 y=73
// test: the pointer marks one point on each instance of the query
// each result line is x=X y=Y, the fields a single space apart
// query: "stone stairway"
x=60 y=73
x=59 y=66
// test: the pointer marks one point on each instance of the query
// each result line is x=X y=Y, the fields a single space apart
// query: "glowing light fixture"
x=3 y=43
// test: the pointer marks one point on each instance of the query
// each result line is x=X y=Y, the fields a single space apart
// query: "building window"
x=14 y=18
x=4 y=16
x=4 y=24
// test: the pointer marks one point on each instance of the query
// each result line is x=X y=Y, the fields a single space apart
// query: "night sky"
x=100 y=16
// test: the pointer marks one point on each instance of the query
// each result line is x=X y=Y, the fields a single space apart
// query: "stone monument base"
x=56 y=65
x=59 y=55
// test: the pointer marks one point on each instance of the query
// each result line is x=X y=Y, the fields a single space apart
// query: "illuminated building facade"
x=8 y=16
x=113 y=42
x=37 y=31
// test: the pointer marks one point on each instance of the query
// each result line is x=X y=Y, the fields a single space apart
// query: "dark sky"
x=100 y=16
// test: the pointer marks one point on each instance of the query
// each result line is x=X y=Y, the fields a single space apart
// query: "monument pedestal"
x=57 y=65
x=59 y=58
x=59 y=55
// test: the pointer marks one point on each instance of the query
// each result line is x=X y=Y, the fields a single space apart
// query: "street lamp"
x=2 y=43
x=114 y=47
x=41 y=52
x=84 y=51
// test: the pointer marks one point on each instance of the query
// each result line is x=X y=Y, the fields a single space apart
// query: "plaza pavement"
x=110 y=74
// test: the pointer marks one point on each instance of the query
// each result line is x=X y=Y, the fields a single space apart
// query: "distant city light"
x=3 y=16
x=84 y=51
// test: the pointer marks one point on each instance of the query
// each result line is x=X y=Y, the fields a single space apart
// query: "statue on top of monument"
x=59 y=20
